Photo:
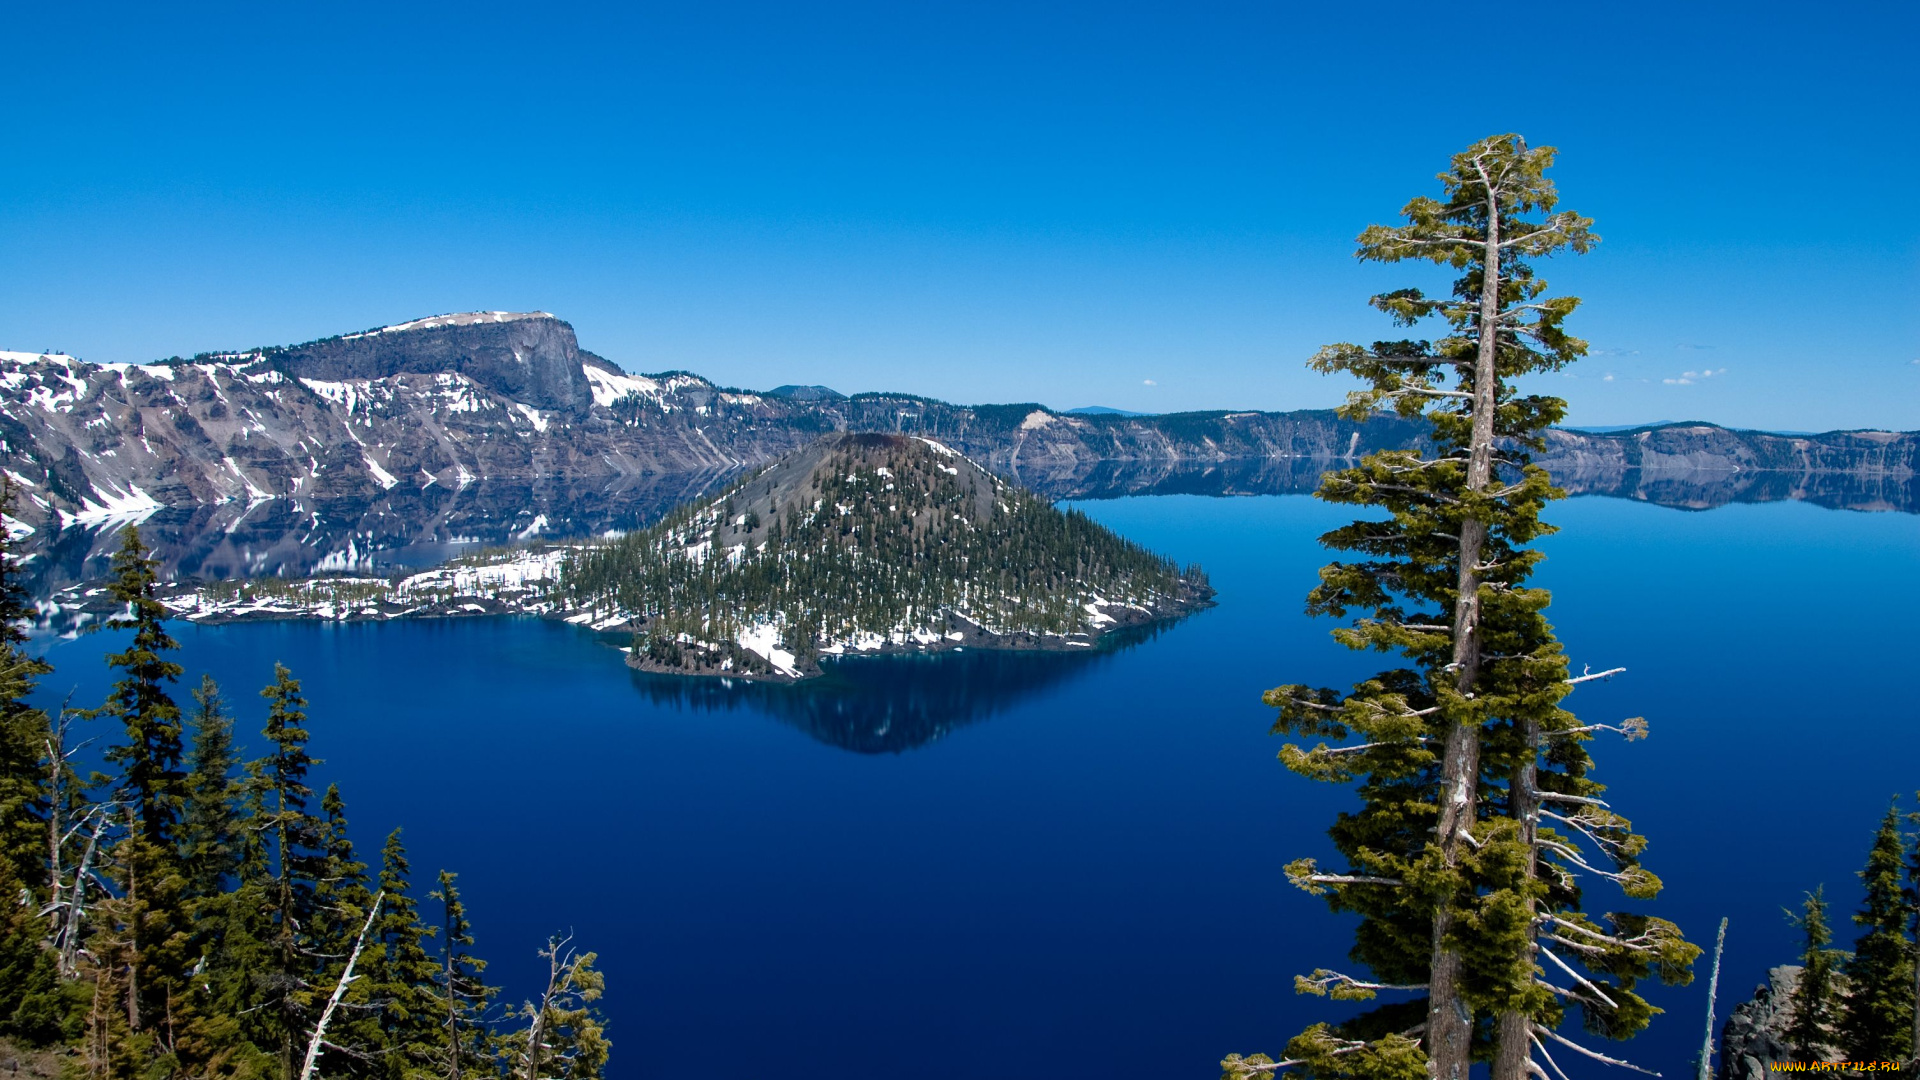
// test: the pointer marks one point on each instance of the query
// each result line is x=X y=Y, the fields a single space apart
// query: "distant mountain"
x=807 y=393
x=503 y=399
x=1101 y=410
x=1605 y=429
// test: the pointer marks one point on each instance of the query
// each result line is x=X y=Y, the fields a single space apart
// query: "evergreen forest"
x=185 y=910
x=868 y=535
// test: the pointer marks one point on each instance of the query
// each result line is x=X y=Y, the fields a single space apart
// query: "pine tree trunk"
x=1513 y=1047
x=133 y=931
x=1449 y=1021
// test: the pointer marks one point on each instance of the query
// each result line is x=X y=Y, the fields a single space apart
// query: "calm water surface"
x=1007 y=866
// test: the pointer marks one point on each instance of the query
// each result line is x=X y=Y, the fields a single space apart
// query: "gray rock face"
x=1754 y=1037
x=530 y=358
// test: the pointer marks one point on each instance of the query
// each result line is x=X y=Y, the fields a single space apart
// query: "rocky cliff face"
x=412 y=421
x=1754 y=1039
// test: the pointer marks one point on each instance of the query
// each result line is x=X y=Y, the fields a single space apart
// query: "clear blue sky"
x=1149 y=207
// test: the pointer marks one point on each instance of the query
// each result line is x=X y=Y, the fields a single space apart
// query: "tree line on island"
x=866 y=534
x=188 y=913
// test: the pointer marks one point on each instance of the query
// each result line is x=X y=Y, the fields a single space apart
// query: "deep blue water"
x=1010 y=866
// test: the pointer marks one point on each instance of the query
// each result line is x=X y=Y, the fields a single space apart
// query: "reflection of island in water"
x=892 y=704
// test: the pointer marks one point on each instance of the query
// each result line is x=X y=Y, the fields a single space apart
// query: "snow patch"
x=763 y=639
x=533 y=416
x=609 y=388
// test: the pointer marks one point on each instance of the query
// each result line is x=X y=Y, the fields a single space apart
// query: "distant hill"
x=807 y=393
x=1101 y=410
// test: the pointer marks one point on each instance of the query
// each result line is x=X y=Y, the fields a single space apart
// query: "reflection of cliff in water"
x=410 y=526
x=1678 y=487
x=404 y=527
x=891 y=704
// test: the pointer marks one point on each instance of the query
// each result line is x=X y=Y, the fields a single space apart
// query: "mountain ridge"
x=511 y=397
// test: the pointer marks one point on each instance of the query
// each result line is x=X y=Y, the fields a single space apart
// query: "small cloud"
x=1608 y=377
x=1688 y=378
x=1697 y=348
x=1148 y=382
x=1613 y=352
x=1915 y=360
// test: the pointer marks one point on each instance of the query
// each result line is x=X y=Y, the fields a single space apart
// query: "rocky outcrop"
x=1754 y=1038
x=531 y=358
x=511 y=400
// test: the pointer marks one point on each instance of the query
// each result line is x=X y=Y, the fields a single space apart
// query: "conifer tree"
x=341 y=902
x=23 y=728
x=299 y=859
x=1913 y=907
x=26 y=970
x=211 y=824
x=1478 y=813
x=1815 y=999
x=564 y=1037
x=464 y=995
x=1876 y=1013
x=402 y=975
x=151 y=757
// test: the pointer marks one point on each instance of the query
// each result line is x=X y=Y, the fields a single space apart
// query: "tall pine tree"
x=402 y=974
x=1477 y=813
x=1815 y=998
x=298 y=863
x=464 y=994
x=26 y=970
x=1876 y=1014
x=150 y=759
x=211 y=824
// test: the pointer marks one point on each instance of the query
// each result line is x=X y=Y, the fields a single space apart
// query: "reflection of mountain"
x=1680 y=484
x=417 y=526
x=891 y=704
x=403 y=527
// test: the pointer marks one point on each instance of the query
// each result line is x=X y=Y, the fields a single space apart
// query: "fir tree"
x=402 y=975
x=150 y=758
x=341 y=907
x=1913 y=908
x=1815 y=999
x=464 y=995
x=26 y=970
x=1876 y=1013
x=211 y=825
x=299 y=859
x=1476 y=800
x=23 y=728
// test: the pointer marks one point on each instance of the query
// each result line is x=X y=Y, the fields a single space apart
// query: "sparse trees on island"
x=191 y=915
x=1478 y=817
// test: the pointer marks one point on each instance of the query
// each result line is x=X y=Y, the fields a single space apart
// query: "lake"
x=1031 y=865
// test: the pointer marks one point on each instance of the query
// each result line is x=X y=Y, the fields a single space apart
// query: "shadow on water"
x=892 y=704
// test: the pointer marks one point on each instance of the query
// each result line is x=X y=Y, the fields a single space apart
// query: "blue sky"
x=1144 y=206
